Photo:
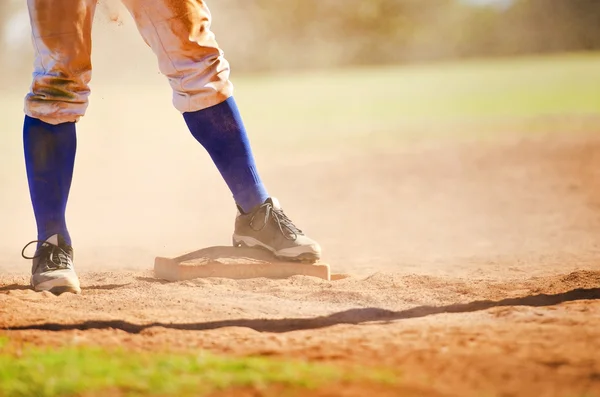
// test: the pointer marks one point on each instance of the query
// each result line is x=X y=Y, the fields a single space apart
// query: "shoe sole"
x=57 y=287
x=249 y=242
x=62 y=290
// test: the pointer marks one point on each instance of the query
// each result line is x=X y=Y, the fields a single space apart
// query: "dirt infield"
x=474 y=270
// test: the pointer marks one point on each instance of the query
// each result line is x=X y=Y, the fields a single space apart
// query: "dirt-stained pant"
x=178 y=31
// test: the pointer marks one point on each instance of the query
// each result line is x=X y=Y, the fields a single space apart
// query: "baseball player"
x=178 y=32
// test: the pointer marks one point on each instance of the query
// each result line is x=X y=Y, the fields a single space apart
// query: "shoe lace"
x=58 y=258
x=285 y=224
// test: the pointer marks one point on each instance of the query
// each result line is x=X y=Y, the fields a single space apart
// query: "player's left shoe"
x=52 y=267
x=267 y=227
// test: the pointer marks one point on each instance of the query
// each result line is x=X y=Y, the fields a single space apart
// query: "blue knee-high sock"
x=49 y=160
x=222 y=133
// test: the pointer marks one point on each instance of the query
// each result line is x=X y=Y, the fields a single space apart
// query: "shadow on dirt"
x=152 y=280
x=14 y=287
x=107 y=287
x=21 y=287
x=353 y=316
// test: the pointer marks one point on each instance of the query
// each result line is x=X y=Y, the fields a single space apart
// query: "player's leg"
x=58 y=98
x=188 y=54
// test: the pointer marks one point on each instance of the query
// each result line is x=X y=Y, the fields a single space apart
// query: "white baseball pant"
x=177 y=31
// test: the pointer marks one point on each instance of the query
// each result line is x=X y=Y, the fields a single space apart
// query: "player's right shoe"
x=267 y=227
x=52 y=267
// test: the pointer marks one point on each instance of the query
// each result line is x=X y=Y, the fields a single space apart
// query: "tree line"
x=292 y=34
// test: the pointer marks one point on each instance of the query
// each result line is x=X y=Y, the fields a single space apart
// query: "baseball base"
x=234 y=263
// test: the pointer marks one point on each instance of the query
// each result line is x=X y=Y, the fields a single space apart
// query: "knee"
x=199 y=72
x=201 y=87
x=57 y=97
x=199 y=77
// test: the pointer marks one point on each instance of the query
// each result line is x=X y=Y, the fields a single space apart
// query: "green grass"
x=396 y=102
x=71 y=371
x=352 y=108
x=480 y=88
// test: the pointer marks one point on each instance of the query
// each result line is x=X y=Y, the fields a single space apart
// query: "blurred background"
x=354 y=109
x=267 y=35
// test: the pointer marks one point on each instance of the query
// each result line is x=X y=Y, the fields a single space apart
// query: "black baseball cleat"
x=267 y=227
x=52 y=267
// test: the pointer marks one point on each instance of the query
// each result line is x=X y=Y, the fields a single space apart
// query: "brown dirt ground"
x=474 y=271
